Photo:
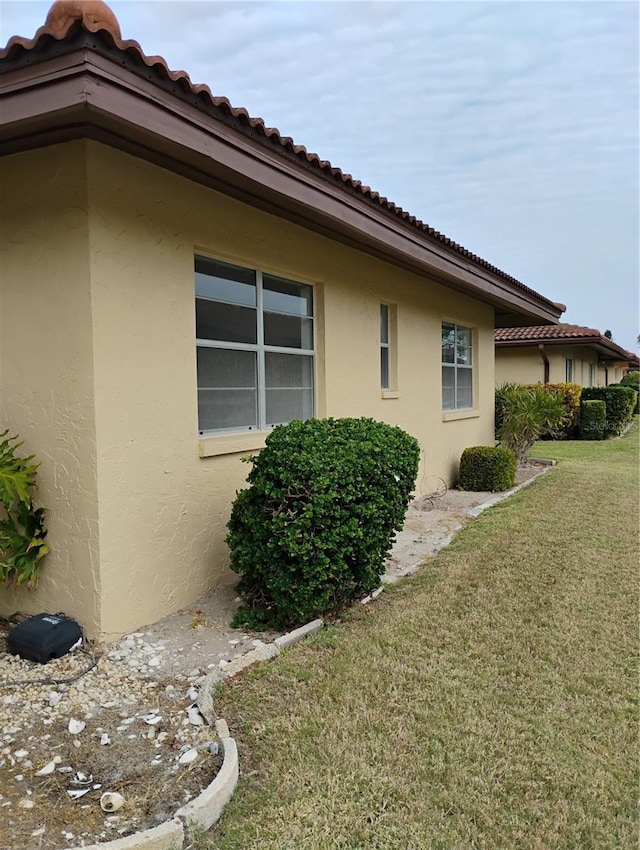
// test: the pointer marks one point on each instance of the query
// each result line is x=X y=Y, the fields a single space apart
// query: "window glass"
x=448 y=343
x=384 y=367
x=384 y=323
x=248 y=385
x=289 y=387
x=227 y=389
x=283 y=370
x=225 y=322
x=288 y=331
x=457 y=372
x=286 y=296
x=464 y=397
x=224 y=282
x=448 y=387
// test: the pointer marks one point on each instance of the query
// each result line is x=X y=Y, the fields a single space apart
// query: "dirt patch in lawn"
x=431 y=522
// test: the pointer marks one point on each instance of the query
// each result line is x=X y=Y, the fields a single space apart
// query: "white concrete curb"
x=207 y=807
x=167 y=836
x=202 y=812
x=298 y=634
x=500 y=497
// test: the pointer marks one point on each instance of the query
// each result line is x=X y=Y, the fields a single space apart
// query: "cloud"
x=511 y=127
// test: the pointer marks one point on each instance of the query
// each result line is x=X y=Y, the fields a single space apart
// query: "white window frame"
x=456 y=367
x=261 y=349
x=568 y=370
x=385 y=321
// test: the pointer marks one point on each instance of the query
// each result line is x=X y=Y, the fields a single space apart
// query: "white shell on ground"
x=111 y=801
x=76 y=726
x=76 y=793
x=195 y=718
x=189 y=757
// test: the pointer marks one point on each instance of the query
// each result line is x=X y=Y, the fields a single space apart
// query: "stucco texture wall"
x=524 y=364
x=611 y=372
x=519 y=365
x=163 y=495
x=46 y=367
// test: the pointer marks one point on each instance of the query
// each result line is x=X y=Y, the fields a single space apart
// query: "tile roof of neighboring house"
x=560 y=333
x=96 y=17
x=542 y=332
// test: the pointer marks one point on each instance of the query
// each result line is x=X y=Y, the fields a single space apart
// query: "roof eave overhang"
x=603 y=351
x=84 y=94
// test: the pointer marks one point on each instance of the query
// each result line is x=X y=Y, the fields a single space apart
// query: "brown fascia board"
x=604 y=351
x=84 y=94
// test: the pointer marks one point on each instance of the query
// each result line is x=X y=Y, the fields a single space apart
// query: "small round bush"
x=312 y=530
x=487 y=468
x=593 y=420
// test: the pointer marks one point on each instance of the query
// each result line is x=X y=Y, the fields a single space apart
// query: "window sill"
x=228 y=444
x=451 y=415
x=389 y=394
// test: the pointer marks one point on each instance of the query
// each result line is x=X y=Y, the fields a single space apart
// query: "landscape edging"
x=475 y=512
x=167 y=836
x=206 y=809
x=203 y=811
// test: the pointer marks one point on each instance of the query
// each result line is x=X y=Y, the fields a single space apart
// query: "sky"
x=512 y=127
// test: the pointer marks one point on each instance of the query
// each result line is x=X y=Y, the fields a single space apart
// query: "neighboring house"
x=557 y=353
x=176 y=279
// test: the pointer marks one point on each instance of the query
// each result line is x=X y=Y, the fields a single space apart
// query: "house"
x=558 y=353
x=177 y=277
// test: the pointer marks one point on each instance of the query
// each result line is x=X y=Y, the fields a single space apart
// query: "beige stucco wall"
x=611 y=372
x=162 y=506
x=46 y=367
x=524 y=364
x=519 y=365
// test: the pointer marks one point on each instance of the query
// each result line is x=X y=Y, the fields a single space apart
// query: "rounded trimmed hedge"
x=620 y=402
x=593 y=419
x=490 y=468
x=632 y=379
x=312 y=530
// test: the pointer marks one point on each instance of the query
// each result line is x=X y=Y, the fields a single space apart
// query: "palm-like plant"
x=22 y=530
x=524 y=413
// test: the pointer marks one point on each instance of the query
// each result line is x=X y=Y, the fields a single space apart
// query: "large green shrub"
x=620 y=402
x=313 y=529
x=632 y=379
x=524 y=413
x=487 y=468
x=571 y=394
x=22 y=531
x=593 y=420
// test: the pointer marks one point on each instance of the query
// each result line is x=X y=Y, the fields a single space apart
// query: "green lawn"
x=489 y=702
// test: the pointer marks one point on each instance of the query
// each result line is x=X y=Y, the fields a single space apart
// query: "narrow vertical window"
x=385 y=352
x=457 y=367
x=568 y=363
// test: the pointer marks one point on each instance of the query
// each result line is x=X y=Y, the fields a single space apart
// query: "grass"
x=489 y=702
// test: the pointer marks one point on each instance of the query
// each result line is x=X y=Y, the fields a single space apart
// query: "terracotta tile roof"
x=542 y=332
x=66 y=16
x=561 y=333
